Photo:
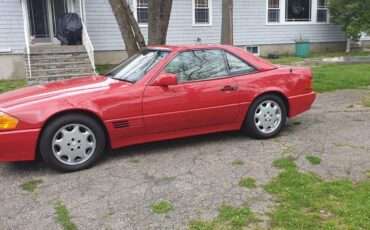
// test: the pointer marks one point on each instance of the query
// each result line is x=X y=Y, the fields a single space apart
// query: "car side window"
x=238 y=66
x=197 y=65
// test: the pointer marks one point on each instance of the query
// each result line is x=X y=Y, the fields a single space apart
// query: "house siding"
x=11 y=26
x=102 y=26
x=181 y=29
x=105 y=34
x=250 y=27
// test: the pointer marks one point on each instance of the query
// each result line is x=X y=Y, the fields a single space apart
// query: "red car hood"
x=54 y=90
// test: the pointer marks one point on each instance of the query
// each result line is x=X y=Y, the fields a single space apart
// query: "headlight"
x=7 y=122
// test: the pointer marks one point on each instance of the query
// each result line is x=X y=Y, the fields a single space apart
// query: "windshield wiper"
x=125 y=80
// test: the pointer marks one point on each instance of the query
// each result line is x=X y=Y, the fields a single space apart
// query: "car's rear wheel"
x=266 y=117
x=72 y=142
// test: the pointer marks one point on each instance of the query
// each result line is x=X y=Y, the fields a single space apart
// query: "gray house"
x=28 y=45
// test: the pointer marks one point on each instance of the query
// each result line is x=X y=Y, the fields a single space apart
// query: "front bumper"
x=18 y=145
x=301 y=103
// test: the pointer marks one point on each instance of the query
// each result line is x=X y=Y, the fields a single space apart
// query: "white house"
x=27 y=29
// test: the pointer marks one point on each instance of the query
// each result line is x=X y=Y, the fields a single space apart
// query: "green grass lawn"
x=285 y=59
x=31 y=186
x=11 y=85
x=101 y=69
x=333 y=77
x=248 y=182
x=229 y=218
x=305 y=201
x=162 y=207
x=63 y=217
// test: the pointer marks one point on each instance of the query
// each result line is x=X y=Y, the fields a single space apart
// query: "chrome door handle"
x=229 y=88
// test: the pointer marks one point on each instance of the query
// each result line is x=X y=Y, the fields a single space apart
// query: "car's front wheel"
x=72 y=142
x=266 y=117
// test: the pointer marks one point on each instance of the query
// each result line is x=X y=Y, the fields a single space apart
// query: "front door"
x=58 y=8
x=39 y=20
x=205 y=96
x=43 y=16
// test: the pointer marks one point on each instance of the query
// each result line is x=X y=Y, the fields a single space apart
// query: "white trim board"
x=283 y=22
x=210 y=6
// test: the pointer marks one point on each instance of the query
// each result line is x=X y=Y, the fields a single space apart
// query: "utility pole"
x=227 y=30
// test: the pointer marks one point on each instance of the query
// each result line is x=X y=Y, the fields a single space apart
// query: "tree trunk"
x=348 y=46
x=128 y=26
x=134 y=25
x=227 y=31
x=159 y=17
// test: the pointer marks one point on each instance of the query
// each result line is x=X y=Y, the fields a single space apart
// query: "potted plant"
x=302 y=47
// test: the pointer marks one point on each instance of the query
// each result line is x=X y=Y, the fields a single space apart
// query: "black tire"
x=47 y=136
x=250 y=128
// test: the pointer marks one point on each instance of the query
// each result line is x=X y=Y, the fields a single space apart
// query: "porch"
x=45 y=58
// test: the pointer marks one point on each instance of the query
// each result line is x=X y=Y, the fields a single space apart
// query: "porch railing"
x=29 y=60
x=27 y=39
x=88 y=45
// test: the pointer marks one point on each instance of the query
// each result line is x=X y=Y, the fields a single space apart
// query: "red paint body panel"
x=173 y=134
x=190 y=105
x=301 y=103
x=18 y=145
x=141 y=112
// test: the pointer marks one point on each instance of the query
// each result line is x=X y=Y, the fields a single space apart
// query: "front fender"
x=36 y=116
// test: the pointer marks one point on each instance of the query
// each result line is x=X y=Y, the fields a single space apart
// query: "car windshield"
x=134 y=68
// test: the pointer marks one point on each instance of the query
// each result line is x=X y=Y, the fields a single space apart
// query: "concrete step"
x=58 y=55
x=56 y=62
x=64 y=71
x=46 y=79
x=60 y=65
x=56 y=49
x=62 y=74
x=60 y=60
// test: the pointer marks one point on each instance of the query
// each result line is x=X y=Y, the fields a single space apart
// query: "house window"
x=253 y=49
x=142 y=11
x=273 y=10
x=202 y=12
x=298 y=10
x=322 y=11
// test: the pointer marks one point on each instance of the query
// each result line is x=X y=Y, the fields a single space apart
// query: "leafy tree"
x=352 y=15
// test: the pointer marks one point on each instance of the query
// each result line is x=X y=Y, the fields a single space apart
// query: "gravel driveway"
x=195 y=175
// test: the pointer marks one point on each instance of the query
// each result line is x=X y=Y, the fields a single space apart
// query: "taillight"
x=309 y=82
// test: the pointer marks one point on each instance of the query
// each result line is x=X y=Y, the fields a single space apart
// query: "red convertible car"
x=160 y=93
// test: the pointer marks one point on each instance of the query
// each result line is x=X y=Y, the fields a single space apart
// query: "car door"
x=205 y=95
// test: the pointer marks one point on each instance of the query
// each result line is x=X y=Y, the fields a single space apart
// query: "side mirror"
x=165 y=79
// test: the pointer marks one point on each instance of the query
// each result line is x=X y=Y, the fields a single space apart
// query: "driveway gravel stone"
x=195 y=175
